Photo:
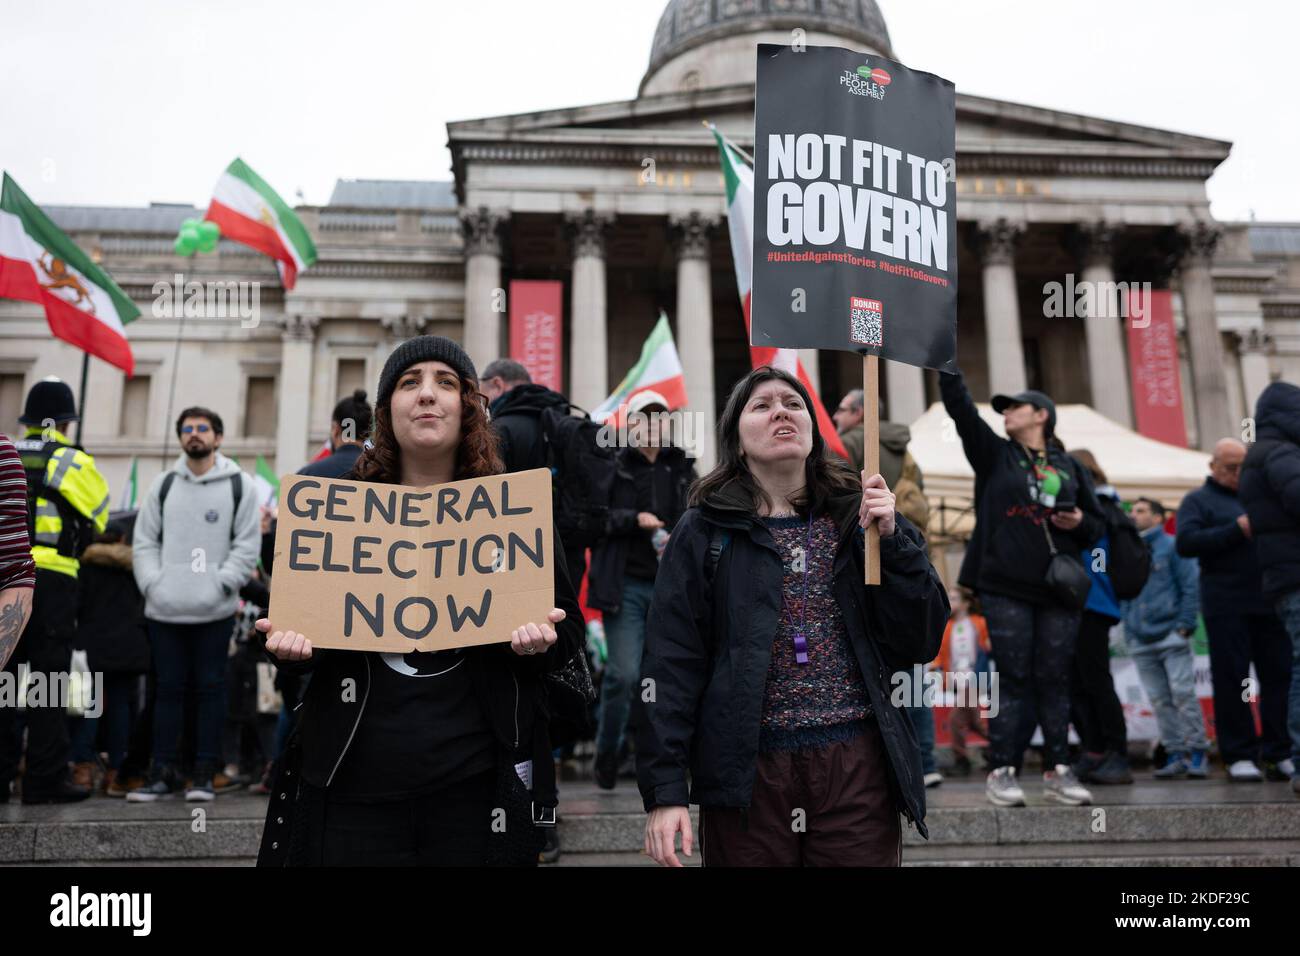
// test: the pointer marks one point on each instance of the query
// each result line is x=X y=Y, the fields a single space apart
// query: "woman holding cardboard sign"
x=766 y=675
x=423 y=758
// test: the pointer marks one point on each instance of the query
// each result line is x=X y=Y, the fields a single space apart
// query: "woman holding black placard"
x=766 y=683
x=423 y=758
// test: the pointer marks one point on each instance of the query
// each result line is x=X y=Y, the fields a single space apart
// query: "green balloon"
x=185 y=245
x=192 y=232
x=207 y=243
x=189 y=223
x=209 y=232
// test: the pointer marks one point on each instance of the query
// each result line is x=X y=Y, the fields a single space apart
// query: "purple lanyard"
x=800 y=641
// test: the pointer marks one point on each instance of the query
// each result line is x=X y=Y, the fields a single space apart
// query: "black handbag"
x=1067 y=578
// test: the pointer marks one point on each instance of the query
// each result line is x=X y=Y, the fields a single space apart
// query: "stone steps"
x=1146 y=824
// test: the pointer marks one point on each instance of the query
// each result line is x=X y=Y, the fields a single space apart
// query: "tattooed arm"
x=17 y=570
x=15 y=608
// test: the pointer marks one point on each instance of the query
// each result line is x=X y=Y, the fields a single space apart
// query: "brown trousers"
x=822 y=806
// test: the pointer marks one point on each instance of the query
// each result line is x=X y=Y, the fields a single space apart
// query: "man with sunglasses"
x=196 y=543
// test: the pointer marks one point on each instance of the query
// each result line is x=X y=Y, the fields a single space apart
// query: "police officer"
x=67 y=503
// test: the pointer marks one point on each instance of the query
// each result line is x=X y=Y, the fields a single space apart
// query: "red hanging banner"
x=1153 y=367
x=536 y=330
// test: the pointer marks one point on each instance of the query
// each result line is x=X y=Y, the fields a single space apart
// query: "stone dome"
x=688 y=25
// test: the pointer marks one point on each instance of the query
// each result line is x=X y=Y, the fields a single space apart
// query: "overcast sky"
x=134 y=101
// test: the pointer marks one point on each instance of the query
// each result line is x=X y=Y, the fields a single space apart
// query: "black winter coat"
x=1008 y=552
x=1207 y=530
x=1270 y=488
x=110 y=613
x=666 y=483
x=516 y=416
x=709 y=644
x=509 y=687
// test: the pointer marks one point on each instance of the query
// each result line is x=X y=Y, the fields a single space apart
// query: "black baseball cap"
x=1030 y=397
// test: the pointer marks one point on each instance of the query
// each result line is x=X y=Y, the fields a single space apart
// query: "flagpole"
x=81 y=413
x=723 y=136
x=171 y=398
x=871 y=453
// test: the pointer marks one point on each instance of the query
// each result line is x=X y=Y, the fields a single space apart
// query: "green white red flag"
x=658 y=369
x=739 y=179
x=132 y=488
x=39 y=263
x=266 y=482
x=251 y=212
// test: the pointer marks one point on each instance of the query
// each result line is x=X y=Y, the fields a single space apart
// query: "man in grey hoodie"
x=196 y=543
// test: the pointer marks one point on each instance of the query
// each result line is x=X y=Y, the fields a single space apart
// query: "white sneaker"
x=1244 y=771
x=1002 y=789
x=1287 y=766
x=933 y=779
x=1064 y=787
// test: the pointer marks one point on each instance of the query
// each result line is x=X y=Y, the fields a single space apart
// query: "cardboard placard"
x=376 y=567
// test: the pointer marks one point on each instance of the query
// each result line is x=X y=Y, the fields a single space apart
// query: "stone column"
x=904 y=392
x=1006 y=356
x=691 y=238
x=297 y=341
x=1254 y=347
x=1204 y=343
x=588 y=350
x=1094 y=244
x=484 y=304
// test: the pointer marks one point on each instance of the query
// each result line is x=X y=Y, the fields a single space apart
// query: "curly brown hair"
x=477 y=455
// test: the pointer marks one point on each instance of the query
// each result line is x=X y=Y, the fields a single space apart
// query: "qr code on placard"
x=866 y=321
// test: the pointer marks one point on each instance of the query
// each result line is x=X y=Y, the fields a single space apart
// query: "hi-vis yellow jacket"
x=70 y=492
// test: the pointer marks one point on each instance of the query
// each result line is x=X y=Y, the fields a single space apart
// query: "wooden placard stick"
x=871 y=452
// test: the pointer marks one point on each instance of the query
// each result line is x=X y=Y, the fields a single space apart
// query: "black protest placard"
x=855 y=206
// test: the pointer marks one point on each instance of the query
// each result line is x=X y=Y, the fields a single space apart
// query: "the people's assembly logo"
x=866 y=81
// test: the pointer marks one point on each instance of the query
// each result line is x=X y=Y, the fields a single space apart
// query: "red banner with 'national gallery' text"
x=1153 y=367
x=537 y=330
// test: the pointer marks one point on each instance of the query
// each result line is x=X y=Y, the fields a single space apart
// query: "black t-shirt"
x=422 y=729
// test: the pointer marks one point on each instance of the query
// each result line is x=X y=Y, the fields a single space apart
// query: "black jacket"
x=1208 y=530
x=110 y=613
x=509 y=687
x=1008 y=553
x=335 y=465
x=660 y=488
x=1270 y=488
x=709 y=644
x=516 y=416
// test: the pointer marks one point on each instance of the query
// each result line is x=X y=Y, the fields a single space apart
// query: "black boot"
x=606 y=769
x=59 y=790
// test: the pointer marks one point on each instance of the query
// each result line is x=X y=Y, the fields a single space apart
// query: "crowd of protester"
x=763 y=556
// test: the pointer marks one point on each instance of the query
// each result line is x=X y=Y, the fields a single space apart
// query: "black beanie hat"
x=422 y=348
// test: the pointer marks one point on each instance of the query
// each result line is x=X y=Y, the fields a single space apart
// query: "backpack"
x=236 y=493
x=583 y=474
x=1129 y=559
